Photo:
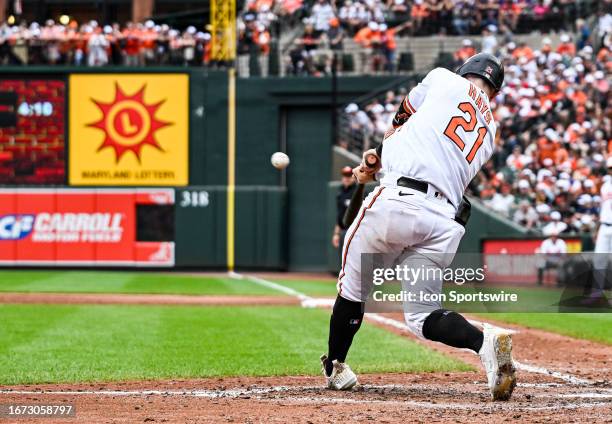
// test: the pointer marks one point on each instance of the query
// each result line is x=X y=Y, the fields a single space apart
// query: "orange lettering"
x=472 y=92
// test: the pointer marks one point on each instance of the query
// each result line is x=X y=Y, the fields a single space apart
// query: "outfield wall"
x=116 y=127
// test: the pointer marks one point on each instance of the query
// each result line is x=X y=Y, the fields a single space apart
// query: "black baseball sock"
x=343 y=325
x=452 y=329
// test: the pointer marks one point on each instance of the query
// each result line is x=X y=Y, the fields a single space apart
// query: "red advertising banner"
x=91 y=227
x=516 y=260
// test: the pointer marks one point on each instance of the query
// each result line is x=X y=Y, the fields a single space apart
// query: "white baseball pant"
x=400 y=221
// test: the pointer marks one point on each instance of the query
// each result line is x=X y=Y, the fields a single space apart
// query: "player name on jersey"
x=482 y=104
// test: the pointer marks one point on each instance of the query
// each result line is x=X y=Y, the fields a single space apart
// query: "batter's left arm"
x=411 y=103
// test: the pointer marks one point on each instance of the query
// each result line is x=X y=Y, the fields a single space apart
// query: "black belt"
x=413 y=184
x=606 y=223
x=417 y=185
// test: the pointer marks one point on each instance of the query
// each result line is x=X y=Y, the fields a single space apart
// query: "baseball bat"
x=371 y=161
x=357 y=198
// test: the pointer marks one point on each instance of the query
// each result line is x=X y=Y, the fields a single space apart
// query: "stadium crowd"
x=92 y=44
x=374 y=25
x=426 y=17
x=554 y=140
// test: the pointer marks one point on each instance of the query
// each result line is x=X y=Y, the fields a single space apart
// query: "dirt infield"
x=456 y=397
x=578 y=359
x=561 y=379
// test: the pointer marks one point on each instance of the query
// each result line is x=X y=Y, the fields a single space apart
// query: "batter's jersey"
x=448 y=137
x=605 y=215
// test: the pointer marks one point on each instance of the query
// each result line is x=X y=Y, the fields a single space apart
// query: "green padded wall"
x=200 y=228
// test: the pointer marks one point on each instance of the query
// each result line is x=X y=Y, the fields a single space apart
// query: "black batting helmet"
x=486 y=66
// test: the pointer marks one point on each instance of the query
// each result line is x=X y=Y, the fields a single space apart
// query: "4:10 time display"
x=35 y=109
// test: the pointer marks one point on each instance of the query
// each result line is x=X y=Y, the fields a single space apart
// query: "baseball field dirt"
x=561 y=379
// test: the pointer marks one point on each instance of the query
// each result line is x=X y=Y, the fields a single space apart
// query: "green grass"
x=125 y=282
x=102 y=343
x=592 y=326
x=44 y=281
x=597 y=327
x=529 y=299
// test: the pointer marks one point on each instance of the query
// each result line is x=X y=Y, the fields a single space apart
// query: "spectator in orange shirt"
x=131 y=46
x=466 y=51
x=523 y=50
x=555 y=93
x=261 y=37
x=365 y=38
x=289 y=7
x=207 y=48
x=377 y=58
x=419 y=12
x=577 y=96
x=604 y=54
x=263 y=4
x=364 y=35
x=561 y=154
x=488 y=191
x=389 y=44
x=547 y=146
x=566 y=47
x=509 y=13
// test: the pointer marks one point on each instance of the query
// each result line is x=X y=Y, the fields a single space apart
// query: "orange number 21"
x=468 y=126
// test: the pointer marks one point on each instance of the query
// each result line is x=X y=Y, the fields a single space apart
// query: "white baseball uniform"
x=445 y=142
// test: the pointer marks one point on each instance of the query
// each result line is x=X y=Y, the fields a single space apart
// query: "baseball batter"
x=442 y=135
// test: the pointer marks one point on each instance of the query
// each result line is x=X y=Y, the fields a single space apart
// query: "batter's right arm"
x=371 y=162
x=354 y=206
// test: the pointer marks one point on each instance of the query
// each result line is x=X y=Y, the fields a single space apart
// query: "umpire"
x=343 y=198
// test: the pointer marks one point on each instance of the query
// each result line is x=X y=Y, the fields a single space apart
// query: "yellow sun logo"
x=129 y=123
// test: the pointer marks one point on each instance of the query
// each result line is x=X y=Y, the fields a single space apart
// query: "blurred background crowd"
x=310 y=32
x=374 y=26
x=93 y=44
x=554 y=140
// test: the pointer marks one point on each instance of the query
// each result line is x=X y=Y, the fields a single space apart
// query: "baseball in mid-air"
x=279 y=160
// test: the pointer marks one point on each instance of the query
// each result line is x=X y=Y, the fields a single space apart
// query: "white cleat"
x=496 y=357
x=341 y=378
